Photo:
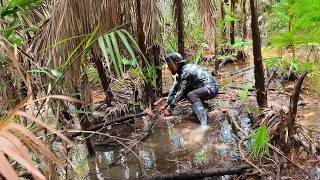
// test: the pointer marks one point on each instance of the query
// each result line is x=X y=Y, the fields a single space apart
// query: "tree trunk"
x=84 y=122
x=179 y=17
x=244 y=19
x=223 y=14
x=149 y=95
x=258 y=64
x=232 y=28
x=105 y=81
x=158 y=65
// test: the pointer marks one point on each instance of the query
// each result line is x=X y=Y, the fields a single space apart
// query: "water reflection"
x=176 y=139
x=171 y=148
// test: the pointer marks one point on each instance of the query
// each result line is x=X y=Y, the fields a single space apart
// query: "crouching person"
x=192 y=82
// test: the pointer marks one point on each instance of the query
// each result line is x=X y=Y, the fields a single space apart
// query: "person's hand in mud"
x=164 y=111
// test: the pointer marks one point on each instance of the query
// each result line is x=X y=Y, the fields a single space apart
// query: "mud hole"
x=180 y=144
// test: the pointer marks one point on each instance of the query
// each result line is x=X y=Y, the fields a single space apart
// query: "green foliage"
x=194 y=36
x=245 y=92
x=292 y=65
x=93 y=74
x=295 y=22
x=202 y=156
x=198 y=56
x=12 y=16
x=239 y=43
x=110 y=48
x=259 y=142
x=13 y=6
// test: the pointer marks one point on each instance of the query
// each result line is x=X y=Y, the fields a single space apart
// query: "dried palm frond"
x=16 y=142
x=152 y=22
x=65 y=33
x=208 y=20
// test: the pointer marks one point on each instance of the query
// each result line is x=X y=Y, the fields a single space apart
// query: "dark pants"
x=201 y=94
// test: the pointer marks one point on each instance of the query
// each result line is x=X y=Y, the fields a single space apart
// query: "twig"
x=141 y=138
x=243 y=157
x=270 y=145
x=278 y=163
x=101 y=126
x=279 y=152
x=113 y=137
x=241 y=141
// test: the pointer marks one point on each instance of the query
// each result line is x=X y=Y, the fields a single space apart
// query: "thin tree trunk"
x=232 y=28
x=179 y=16
x=105 y=81
x=158 y=65
x=84 y=123
x=258 y=64
x=244 y=19
x=223 y=14
x=148 y=101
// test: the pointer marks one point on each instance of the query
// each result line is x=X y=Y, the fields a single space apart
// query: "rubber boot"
x=200 y=112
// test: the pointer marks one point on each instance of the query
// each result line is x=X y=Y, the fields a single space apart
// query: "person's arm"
x=172 y=94
x=185 y=81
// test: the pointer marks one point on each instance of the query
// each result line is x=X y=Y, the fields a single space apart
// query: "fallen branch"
x=144 y=135
x=197 y=174
x=105 y=124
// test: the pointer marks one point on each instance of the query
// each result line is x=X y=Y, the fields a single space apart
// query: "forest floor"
x=179 y=144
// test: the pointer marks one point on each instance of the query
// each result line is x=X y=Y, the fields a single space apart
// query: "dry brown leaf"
x=39 y=122
x=6 y=170
x=40 y=146
x=7 y=148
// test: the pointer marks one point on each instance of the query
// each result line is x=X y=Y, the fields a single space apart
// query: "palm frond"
x=207 y=13
x=15 y=140
x=259 y=141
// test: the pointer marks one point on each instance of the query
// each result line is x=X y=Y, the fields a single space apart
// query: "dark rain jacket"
x=190 y=77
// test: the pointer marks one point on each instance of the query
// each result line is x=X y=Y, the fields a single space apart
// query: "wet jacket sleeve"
x=182 y=84
x=172 y=94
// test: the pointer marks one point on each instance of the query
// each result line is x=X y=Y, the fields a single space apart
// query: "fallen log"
x=105 y=124
x=197 y=174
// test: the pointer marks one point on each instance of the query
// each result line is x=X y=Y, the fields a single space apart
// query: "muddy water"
x=172 y=147
x=180 y=145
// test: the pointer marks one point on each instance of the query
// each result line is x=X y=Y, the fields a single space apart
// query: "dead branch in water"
x=105 y=124
x=142 y=137
x=197 y=174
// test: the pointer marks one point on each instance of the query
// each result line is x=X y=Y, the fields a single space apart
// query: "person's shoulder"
x=189 y=67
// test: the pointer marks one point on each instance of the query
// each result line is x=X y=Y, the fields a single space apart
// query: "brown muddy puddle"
x=180 y=145
x=172 y=147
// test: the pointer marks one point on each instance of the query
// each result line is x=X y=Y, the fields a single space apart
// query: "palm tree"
x=208 y=20
x=179 y=18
